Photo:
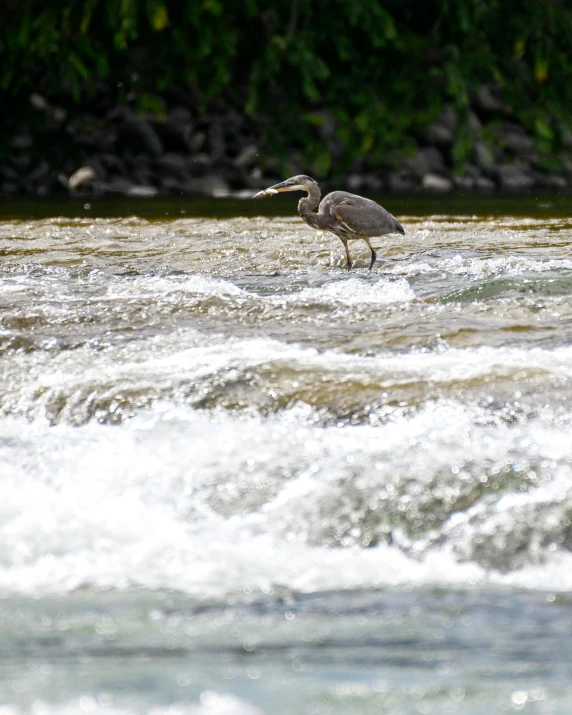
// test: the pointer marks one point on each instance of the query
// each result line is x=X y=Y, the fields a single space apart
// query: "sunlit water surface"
x=235 y=478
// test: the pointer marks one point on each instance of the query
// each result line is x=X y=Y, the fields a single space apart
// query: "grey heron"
x=348 y=216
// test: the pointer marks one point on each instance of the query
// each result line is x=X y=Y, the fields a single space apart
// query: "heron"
x=346 y=215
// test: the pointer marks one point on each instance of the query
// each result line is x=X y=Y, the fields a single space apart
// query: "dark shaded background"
x=211 y=96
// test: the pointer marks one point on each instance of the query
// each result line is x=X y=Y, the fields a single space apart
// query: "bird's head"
x=294 y=183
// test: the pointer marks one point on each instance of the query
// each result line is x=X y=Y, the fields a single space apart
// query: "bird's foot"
x=348 y=265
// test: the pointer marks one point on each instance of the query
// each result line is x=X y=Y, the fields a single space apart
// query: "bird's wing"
x=366 y=218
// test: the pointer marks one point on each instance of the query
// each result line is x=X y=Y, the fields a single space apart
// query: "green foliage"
x=327 y=73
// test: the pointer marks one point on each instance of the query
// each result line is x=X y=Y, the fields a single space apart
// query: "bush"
x=338 y=79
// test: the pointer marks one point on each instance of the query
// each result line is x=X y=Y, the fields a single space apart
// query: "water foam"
x=478 y=267
x=75 y=384
x=210 y=703
x=160 y=504
x=353 y=292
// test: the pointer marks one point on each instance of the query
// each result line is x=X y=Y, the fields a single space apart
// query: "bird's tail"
x=399 y=227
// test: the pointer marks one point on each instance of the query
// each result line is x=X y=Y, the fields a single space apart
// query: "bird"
x=346 y=215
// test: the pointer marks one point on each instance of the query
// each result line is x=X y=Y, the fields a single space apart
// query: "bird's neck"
x=307 y=205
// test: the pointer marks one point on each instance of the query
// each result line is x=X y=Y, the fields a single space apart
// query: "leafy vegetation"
x=338 y=79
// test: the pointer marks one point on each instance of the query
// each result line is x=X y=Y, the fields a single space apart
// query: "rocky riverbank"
x=103 y=150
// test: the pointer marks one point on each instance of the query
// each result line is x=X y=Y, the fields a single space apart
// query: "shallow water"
x=235 y=478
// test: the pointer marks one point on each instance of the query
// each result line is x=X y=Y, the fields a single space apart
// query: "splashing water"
x=227 y=466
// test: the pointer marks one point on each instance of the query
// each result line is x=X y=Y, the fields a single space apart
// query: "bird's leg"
x=373 y=253
x=349 y=262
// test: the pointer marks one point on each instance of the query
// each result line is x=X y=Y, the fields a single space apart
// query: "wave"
x=246 y=505
x=261 y=373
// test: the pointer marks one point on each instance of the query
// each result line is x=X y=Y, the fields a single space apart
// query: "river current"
x=236 y=478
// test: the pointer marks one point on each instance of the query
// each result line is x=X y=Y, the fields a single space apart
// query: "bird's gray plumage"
x=346 y=215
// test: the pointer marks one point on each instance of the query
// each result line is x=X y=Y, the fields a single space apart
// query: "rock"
x=121 y=185
x=40 y=172
x=199 y=164
x=197 y=141
x=354 y=182
x=217 y=143
x=487 y=100
x=549 y=181
x=10 y=173
x=82 y=176
x=144 y=192
x=58 y=115
x=514 y=177
x=519 y=144
x=449 y=118
x=481 y=183
x=134 y=135
x=209 y=185
x=436 y=183
x=38 y=102
x=400 y=183
x=428 y=160
x=21 y=163
x=483 y=155
x=442 y=131
x=143 y=175
x=174 y=131
x=515 y=139
x=255 y=174
x=472 y=171
x=372 y=182
x=463 y=183
x=173 y=165
x=473 y=122
x=566 y=136
x=180 y=115
x=440 y=135
x=98 y=168
x=248 y=156
x=139 y=137
x=567 y=167
x=109 y=163
x=21 y=142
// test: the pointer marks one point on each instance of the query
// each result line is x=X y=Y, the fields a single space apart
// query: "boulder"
x=134 y=135
x=549 y=181
x=84 y=175
x=472 y=171
x=144 y=192
x=481 y=183
x=463 y=183
x=473 y=122
x=173 y=166
x=483 y=156
x=400 y=183
x=354 y=182
x=442 y=131
x=514 y=137
x=440 y=135
x=373 y=182
x=436 y=183
x=248 y=156
x=428 y=160
x=514 y=177
x=121 y=185
x=487 y=101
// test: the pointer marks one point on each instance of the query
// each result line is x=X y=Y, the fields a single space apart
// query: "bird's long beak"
x=276 y=189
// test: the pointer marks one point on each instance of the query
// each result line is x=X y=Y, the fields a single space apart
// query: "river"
x=236 y=478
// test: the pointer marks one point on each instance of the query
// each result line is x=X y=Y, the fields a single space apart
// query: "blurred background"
x=136 y=98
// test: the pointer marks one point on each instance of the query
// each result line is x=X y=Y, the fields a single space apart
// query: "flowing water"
x=235 y=478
